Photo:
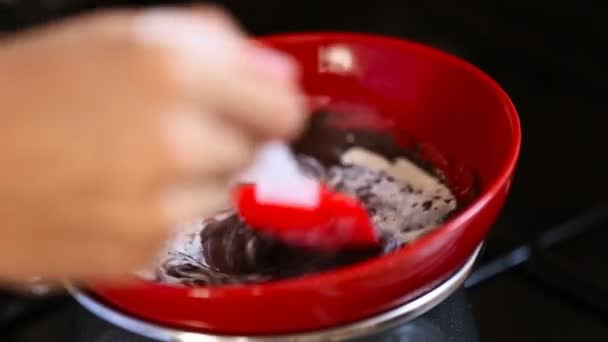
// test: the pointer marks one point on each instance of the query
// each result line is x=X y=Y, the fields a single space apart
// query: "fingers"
x=243 y=93
x=217 y=66
x=205 y=147
x=253 y=103
x=207 y=153
x=190 y=201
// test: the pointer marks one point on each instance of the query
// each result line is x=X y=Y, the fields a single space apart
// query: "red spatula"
x=300 y=211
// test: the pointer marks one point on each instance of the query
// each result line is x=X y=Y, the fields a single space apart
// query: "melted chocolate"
x=326 y=142
x=233 y=253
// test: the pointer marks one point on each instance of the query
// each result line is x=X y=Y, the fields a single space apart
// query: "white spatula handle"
x=278 y=178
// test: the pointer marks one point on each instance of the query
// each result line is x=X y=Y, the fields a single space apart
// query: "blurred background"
x=543 y=274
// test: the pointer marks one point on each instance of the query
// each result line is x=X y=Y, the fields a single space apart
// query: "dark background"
x=549 y=56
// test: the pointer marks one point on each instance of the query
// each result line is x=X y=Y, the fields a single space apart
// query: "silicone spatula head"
x=286 y=205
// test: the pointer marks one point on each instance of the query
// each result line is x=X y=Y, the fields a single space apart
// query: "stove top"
x=451 y=321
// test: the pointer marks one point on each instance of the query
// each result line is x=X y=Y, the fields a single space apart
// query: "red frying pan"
x=435 y=97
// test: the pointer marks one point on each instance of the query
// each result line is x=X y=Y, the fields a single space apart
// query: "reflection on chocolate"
x=404 y=201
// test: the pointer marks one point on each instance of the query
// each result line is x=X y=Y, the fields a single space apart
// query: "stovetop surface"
x=64 y=320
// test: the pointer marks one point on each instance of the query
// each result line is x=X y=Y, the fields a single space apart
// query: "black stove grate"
x=537 y=260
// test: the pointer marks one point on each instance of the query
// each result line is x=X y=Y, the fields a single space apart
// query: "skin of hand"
x=116 y=125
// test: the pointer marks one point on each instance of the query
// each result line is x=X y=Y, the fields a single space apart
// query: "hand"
x=115 y=126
